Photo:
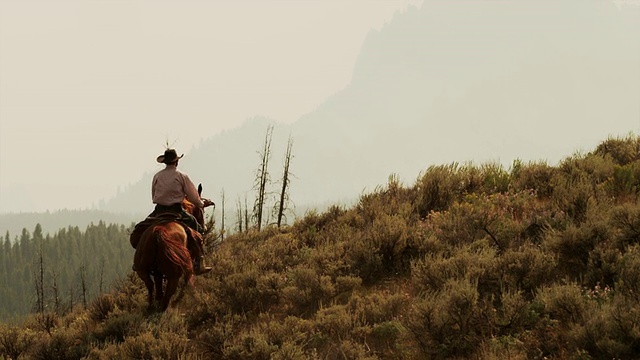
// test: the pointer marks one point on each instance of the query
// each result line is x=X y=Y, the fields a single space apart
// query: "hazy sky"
x=90 y=91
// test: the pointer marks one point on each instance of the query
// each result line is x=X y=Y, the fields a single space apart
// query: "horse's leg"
x=146 y=278
x=159 y=292
x=172 y=285
x=185 y=286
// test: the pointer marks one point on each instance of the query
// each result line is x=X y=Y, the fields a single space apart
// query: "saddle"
x=193 y=237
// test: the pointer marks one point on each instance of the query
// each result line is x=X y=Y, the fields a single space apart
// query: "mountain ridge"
x=485 y=85
x=494 y=82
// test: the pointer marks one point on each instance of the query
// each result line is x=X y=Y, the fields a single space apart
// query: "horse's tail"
x=173 y=249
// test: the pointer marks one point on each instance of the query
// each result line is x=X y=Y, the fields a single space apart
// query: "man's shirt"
x=170 y=186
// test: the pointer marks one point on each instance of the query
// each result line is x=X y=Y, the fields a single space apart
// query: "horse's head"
x=189 y=207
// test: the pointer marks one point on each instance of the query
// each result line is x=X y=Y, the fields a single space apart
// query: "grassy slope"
x=469 y=262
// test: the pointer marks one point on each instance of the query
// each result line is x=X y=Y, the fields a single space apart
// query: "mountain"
x=447 y=82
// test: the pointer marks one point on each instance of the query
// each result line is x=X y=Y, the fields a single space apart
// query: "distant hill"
x=446 y=82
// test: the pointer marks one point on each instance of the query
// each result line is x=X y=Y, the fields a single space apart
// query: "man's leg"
x=196 y=249
x=196 y=244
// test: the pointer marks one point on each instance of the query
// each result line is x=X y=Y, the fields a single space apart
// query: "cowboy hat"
x=169 y=156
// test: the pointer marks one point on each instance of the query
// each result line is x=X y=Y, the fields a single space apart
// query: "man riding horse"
x=169 y=188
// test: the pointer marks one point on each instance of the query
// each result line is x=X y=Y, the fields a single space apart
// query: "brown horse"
x=162 y=251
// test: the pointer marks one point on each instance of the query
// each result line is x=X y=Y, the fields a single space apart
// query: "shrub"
x=502 y=218
x=564 y=303
x=389 y=237
x=612 y=329
x=626 y=218
x=306 y=290
x=349 y=350
x=14 y=341
x=118 y=326
x=101 y=307
x=450 y=323
x=534 y=176
x=622 y=150
x=163 y=336
x=503 y=347
x=252 y=346
x=378 y=307
x=572 y=246
x=61 y=345
x=139 y=347
x=628 y=269
x=289 y=351
x=514 y=315
x=580 y=183
x=250 y=290
x=625 y=182
x=441 y=185
x=43 y=322
x=280 y=252
x=212 y=339
x=526 y=269
x=496 y=179
x=434 y=271
x=335 y=322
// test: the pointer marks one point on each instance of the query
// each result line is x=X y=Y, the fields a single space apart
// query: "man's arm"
x=191 y=192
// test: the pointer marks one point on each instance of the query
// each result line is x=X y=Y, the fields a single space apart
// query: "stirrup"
x=199 y=268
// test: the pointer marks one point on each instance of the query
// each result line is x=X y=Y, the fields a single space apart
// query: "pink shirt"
x=171 y=185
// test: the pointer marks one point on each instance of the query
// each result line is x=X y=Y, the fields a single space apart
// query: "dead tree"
x=222 y=220
x=246 y=214
x=83 y=285
x=281 y=206
x=101 y=275
x=70 y=297
x=56 y=293
x=39 y=282
x=262 y=178
x=239 y=216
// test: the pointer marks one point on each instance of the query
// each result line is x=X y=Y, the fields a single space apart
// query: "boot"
x=199 y=266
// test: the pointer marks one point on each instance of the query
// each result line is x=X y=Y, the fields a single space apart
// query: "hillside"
x=449 y=81
x=534 y=262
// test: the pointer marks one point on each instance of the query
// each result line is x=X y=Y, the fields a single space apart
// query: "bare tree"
x=246 y=214
x=101 y=275
x=83 y=284
x=222 y=221
x=39 y=282
x=56 y=293
x=281 y=206
x=239 y=215
x=262 y=178
x=70 y=297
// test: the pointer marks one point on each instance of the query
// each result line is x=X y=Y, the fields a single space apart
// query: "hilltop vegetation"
x=470 y=261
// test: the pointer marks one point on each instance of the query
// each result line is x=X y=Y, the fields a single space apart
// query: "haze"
x=90 y=92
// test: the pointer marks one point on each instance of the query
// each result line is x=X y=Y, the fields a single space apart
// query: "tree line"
x=55 y=273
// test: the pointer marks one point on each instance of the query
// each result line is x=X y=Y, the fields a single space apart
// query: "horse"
x=162 y=252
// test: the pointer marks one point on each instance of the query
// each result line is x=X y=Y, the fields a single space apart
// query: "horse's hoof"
x=202 y=270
